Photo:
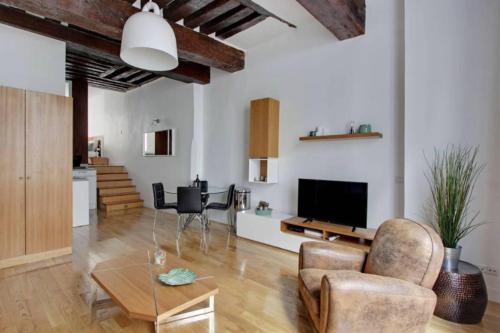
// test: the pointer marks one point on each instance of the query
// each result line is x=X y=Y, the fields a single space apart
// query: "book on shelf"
x=313 y=233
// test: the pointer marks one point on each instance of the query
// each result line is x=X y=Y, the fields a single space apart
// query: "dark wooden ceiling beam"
x=209 y=12
x=125 y=75
x=261 y=10
x=110 y=71
x=225 y=20
x=107 y=17
x=241 y=25
x=344 y=18
x=95 y=46
x=179 y=9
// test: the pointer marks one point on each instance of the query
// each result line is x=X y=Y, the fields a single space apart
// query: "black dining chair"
x=225 y=206
x=160 y=204
x=190 y=207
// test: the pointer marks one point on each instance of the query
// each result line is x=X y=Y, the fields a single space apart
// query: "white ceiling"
x=270 y=28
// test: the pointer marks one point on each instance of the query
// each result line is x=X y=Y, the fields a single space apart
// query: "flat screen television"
x=333 y=201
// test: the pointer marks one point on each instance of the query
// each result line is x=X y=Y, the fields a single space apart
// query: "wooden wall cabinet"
x=264 y=128
x=264 y=141
x=36 y=177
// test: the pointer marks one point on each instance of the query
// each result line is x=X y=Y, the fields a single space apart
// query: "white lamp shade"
x=148 y=42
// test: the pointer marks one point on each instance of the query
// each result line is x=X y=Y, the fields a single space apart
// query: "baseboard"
x=494 y=295
x=30 y=258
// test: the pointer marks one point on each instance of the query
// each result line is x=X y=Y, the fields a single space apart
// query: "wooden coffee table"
x=133 y=285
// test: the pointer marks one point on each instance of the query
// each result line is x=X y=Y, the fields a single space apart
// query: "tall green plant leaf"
x=452 y=177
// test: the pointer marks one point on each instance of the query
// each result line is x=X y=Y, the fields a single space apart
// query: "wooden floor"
x=258 y=285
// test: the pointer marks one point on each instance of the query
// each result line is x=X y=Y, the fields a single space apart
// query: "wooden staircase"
x=115 y=189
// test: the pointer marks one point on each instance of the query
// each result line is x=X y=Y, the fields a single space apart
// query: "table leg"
x=96 y=304
x=93 y=299
x=209 y=309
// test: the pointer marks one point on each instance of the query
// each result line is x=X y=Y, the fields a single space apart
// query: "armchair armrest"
x=357 y=302
x=329 y=256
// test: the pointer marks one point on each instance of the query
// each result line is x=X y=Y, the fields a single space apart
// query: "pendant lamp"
x=148 y=41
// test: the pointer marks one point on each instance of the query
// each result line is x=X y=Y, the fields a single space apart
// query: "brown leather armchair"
x=389 y=290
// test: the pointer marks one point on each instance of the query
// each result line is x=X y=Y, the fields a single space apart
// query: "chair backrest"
x=158 y=195
x=230 y=196
x=189 y=200
x=406 y=250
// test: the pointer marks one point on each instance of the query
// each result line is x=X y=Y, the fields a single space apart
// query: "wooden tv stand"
x=360 y=239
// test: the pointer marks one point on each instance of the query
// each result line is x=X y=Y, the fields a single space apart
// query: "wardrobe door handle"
x=21 y=178
x=28 y=178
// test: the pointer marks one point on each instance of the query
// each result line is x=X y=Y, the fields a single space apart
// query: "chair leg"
x=204 y=231
x=179 y=234
x=154 y=228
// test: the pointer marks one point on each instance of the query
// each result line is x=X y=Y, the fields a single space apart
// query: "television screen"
x=333 y=201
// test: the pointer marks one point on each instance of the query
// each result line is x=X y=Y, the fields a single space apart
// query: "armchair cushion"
x=310 y=291
x=310 y=284
x=357 y=302
x=323 y=255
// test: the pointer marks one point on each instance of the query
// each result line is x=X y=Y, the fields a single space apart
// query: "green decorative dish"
x=178 y=277
x=264 y=212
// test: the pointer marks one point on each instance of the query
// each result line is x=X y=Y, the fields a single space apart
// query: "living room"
x=374 y=100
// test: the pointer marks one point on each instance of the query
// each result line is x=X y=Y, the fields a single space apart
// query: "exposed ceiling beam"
x=241 y=25
x=93 y=45
x=107 y=17
x=344 y=18
x=207 y=13
x=178 y=9
x=261 y=10
x=225 y=20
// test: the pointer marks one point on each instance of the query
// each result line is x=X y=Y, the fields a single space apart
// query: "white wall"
x=452 y=97
x=30 y=61
x=319 y=81
x=122 y=118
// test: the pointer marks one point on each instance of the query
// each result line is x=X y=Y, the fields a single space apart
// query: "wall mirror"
x=159 y=143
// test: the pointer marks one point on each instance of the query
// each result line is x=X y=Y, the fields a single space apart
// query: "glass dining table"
x=209 y=190
x=205 y=194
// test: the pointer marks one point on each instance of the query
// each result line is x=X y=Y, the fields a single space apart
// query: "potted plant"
x=452 y=177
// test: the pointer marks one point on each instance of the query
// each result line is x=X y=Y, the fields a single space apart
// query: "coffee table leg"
x=96 y=304
x=93 y=300
x=199 y=312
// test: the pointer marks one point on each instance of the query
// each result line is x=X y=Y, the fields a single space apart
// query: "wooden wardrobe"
x=35 y=176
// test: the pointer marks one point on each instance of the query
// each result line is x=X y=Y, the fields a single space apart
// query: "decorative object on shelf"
x=314 y=132
x=197 y=181
x=332 y=137
x=178 y=277
x=461 y=295
x=351 y=127
x=148 y=41
x=365 y=128
x=452 y=177
x=263 y=209
x=263 y=170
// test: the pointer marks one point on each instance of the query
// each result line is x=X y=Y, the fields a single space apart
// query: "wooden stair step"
x=119 y=198
x=112 y=176
x=117 y=190
x=104 y=169
x=125 y=204
x=111 y=192
x=114 y=183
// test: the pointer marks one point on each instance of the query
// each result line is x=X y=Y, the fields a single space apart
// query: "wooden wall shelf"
x=360 y=239
x=372 y=135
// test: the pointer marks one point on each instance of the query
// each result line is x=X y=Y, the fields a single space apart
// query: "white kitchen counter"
x=80 y=202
